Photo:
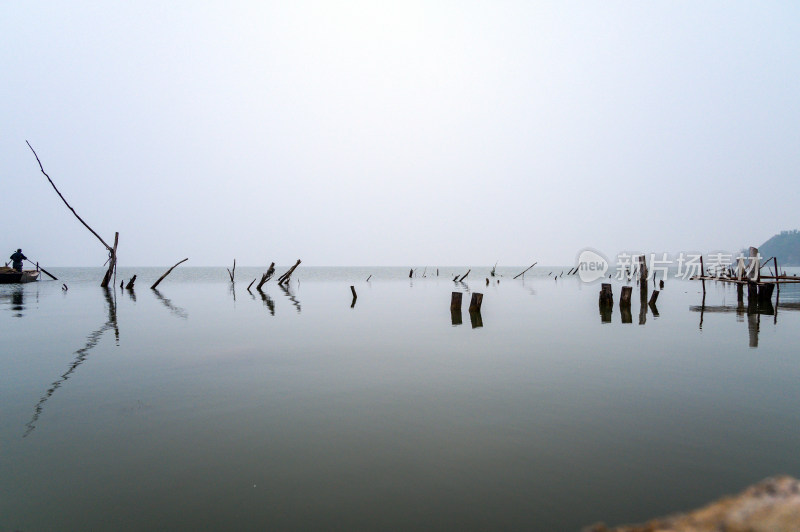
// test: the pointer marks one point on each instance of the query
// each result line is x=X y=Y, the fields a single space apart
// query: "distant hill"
x=785 y=246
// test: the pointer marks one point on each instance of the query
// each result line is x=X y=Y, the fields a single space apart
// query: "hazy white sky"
x=397 y=133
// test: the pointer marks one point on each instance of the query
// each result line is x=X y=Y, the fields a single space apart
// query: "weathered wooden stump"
x=661 y=284
x=476 y=302
x=625 y=296
x=455 y=316
x=606 y=295
x=129 y=286
x=455 y=301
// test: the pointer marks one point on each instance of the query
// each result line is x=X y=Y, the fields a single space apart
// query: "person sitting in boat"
x=17 y=259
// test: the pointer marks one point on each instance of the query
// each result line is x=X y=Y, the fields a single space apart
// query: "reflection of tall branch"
x=81 y=353
x=267 y=301
x=290 y=295
x=177 y=311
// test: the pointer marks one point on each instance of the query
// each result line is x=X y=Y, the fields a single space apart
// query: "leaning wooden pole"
x=167 y=273
x=112 y=251
x=526 y=269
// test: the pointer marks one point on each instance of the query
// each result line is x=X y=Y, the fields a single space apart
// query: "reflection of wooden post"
x=625 y=296
x=625 y=314
x=606 y=295
x=653 y=298
x=455 y=301
x=605 y=313
x=475 y=318
x=765 y=293
x=476 y=302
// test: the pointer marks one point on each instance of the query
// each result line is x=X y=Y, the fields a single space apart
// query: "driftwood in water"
x=251 y=284
x=370 y=277
x=232 y=272
x=112 y=263
x=129 y=286
x=411 y=273
x=355 y=296
x=266 y=276
x=455 y=301
x=525 y=270
x=455 y=279
x=464 y=276
x=167 y=273
x=112 y=251
x=284 y=279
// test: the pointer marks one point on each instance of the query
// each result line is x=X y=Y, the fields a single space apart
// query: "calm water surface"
x=203 y=406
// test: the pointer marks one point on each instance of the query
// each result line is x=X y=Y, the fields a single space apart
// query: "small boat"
x=12 y=276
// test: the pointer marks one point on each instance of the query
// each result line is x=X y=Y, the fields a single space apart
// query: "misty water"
x=203 y=406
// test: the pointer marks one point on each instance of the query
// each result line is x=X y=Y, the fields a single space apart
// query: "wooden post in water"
x=465 y=275
x=129 y=286
x=355 y=296
x=643 y=277
x=112 y=263
x=455 y=301
x=476 y=302
x=702 y=273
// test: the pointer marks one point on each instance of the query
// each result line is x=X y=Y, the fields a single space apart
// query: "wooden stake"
x=353 y=290
x=465 y=276
x=112 y=266
x=231 y=273
x=167 y=273
x=129 y=286
x=251 y=284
